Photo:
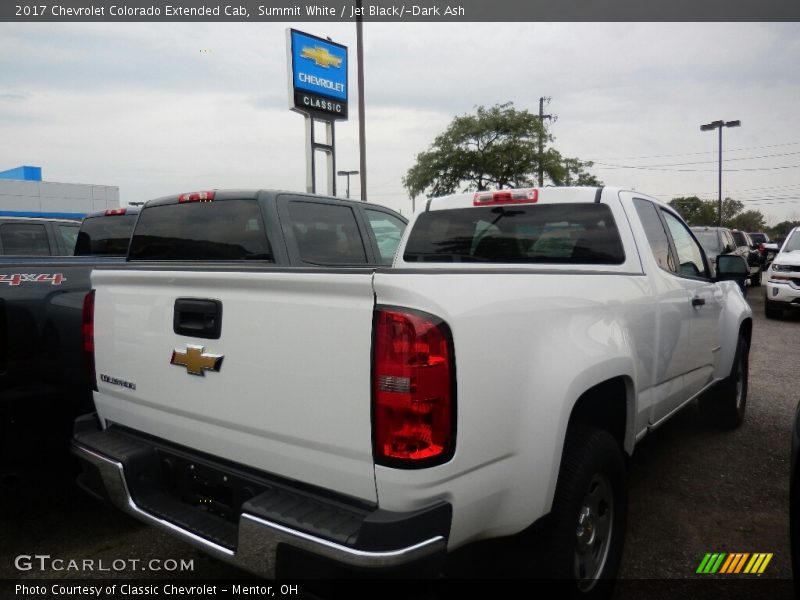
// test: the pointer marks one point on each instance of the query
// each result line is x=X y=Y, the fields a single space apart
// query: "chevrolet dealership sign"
x=317 y=75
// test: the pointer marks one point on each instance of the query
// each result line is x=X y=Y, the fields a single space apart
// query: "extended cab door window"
x=24 y=239
x=69 y=236
x=656 y=236
x=690 y=256
x=387 y=230
x=326 y=234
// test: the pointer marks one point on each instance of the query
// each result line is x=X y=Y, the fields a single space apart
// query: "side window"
x=654 y=230
x=69 y=235
x=24 y=239
x=388 y=230
x=731 y=242
x=690 y=257
x=326 y=233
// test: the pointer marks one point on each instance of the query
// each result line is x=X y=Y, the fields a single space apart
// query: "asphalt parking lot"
x=693 y=490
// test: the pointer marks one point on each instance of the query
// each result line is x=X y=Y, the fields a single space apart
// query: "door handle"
x=698 y=301
x=198 y=317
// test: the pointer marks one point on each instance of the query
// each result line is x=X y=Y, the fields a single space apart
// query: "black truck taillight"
x=413 y=389
x=88 y=338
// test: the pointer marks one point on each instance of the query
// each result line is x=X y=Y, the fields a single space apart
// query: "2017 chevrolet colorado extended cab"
x=520 y=346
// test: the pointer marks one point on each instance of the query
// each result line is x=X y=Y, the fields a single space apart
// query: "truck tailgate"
x=292 y=393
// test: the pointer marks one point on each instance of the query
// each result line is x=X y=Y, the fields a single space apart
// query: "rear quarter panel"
x=527 y=345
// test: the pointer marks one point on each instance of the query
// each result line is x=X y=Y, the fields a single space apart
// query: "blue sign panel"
x=318 y=74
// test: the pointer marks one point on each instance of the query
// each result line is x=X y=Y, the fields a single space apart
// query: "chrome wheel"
x=593 y=532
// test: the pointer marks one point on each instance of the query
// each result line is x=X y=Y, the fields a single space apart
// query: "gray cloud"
x=163 y=107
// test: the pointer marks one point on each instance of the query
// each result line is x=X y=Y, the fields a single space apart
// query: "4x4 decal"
x=20 y=278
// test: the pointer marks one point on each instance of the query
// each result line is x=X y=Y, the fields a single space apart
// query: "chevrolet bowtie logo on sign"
x=321 y=57
x=196 y=360
x=734 y=563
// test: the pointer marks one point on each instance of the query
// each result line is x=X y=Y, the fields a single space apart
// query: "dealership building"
x=24 y=194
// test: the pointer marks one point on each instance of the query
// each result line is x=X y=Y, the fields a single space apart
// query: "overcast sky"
x=161 y=108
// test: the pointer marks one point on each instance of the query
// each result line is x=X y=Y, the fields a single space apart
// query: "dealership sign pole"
x=317 y=90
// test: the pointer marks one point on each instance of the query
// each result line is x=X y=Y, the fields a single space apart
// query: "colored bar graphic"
x=703 y=564
x=733 y=563
x=741 y=563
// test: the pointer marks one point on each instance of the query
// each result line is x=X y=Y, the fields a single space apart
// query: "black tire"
x=589 y=514
x=755 y=280
x=771 y=312
x=724 y=406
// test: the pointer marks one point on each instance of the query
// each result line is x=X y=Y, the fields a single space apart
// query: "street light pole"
x=347 y=174
x=709 y=127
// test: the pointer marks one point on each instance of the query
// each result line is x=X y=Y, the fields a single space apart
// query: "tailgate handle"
x=198 y=317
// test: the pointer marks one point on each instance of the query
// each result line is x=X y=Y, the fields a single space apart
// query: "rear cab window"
x=24 y=239
x=709 y=239
x=229 y=229
x=564 y=233
x=105 y=235
x=740 y=238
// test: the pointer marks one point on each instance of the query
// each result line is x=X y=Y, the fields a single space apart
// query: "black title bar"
x=400 y=10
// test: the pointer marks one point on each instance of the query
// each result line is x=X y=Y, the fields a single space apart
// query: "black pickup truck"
x=43 y=302
x=42 y=370
x=286 y=229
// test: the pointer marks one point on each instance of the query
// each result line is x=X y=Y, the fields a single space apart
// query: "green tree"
x=496 y=147
x=576 y=173
x=695 y=211
x=730 y=208
x=782 y=229
x=749 y=220
x=706 y=212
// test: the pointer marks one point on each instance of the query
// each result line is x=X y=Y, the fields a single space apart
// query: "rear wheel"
x=589 y=513
x=755 y=280
x=724 y=406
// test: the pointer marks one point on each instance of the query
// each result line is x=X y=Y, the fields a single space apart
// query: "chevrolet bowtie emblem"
x=196 y=361
x=321 y=57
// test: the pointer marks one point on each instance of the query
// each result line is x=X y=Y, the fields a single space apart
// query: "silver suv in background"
x=720 y=240
x=783 y=278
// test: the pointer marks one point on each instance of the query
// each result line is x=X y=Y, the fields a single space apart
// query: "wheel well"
x=604 y=406
x=746 y=330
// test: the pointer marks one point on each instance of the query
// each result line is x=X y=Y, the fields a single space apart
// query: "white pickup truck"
x=498 y=372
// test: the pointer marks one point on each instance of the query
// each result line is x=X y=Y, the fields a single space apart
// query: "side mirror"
x=728 y=248
x=732 y=267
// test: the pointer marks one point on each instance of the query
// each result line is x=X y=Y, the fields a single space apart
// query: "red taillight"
x=115 y=211
x=761 y=249
x=413 y=389
x=88 y=337
x=525 y=196
x=196 y=197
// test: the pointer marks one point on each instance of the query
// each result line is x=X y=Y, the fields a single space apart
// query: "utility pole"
x=542 y=117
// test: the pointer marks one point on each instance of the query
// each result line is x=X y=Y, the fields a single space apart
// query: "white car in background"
x=783 y=278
